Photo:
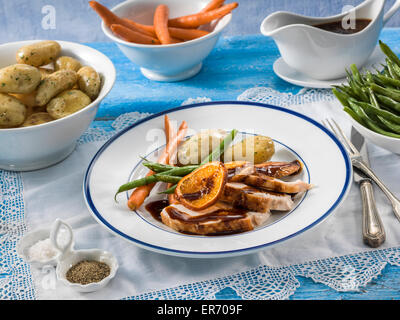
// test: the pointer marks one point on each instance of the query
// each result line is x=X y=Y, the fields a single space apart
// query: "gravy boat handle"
x=391 y=12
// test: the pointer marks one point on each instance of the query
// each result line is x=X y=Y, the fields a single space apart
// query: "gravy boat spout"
x=322 y=54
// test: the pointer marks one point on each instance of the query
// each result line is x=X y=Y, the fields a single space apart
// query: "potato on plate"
x=66 y=103
x=12 y=111
x=255 y=149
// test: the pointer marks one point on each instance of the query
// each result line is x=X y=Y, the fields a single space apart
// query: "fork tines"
x=334 y=127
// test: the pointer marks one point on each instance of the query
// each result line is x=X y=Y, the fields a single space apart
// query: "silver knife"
x=372 y=227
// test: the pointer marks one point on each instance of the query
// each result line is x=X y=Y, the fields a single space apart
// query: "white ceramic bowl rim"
x=340 y=15
x=219 y=27
x=103 y=92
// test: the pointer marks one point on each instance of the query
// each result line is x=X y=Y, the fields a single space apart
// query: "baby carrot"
x=213 y=4
x=187 y=34
x=198 y=19
x=170 y=134
x=140 y=194
x=177 y=33
x=132 y=36
x=161 y=24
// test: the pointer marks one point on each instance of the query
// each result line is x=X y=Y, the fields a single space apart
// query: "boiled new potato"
x=67 y=63
x=36 y=119
x=39 y=54
x=19 y=78
x=256 y=149
x=198 y=147
x=67 y=103
x=54 y=84
x=45 y=72
x=12 y=111
x=89 y=82
x=28 y=99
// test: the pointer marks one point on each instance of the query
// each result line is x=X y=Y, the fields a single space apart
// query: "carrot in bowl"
x=213 y=4
x=198 y=19
x=177 y=33
x=161 y=24
x=132 y=36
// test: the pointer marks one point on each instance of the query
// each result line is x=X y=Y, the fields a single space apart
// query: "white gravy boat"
x=321 y=54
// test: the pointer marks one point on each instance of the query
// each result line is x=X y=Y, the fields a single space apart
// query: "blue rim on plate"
x=99 y=217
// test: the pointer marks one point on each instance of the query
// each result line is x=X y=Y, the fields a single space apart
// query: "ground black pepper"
x=85 y=272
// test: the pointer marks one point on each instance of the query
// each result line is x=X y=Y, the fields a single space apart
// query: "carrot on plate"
x=198 y=19
x=140 y=194
x=170 y=134
x=213 y=4
x=161 y=24
x=132 y=36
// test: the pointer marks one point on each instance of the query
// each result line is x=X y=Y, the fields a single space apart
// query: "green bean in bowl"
x=372 y=100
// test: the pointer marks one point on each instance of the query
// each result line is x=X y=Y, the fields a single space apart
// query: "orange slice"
x=202 y=188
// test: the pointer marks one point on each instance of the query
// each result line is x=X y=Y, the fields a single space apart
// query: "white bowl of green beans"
x=372 y=100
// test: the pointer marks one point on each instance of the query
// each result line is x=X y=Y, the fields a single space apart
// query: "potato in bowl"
x=33 y=143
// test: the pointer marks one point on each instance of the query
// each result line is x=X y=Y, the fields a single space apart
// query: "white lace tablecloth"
x=332 y=253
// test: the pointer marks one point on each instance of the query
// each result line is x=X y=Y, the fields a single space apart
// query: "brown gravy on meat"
x=155 y=208
x=337 y=27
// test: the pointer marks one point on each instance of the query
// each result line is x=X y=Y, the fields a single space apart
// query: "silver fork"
x=358 y=163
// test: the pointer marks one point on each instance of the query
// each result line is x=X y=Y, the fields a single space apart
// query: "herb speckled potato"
x=36 y=119
x=45 y=72
x=66 y=103
x=19 y=78
x=67 y=63
x=39 y=54
x=54 y=84
x=89 y=82
x=256 y=149
x=12 y=111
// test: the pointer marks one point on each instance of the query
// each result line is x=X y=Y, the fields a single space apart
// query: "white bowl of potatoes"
x=50 y=92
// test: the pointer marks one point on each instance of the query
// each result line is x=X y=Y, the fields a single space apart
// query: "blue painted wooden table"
x=236 y=64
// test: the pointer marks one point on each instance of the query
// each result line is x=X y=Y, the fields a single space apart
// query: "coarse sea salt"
x=42 y=251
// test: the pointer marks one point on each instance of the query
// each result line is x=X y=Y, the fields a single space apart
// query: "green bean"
x=170 y=190
x=170 y=170
x=396 y=70
x=390 y=125
x=391 y=69
x=356 y=74
x=389 y=53
x=342 y=97
x=216 y=154
x=147 y=180
x=373 y=99
x=372 y=125
x=359 y=91
x=388 y=102
x=388 y=81
x=157 y=167
x=354 y=115
x=379 y=112
x=394 y=94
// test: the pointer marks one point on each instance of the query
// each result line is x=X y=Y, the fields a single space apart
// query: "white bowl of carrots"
x=168 y=40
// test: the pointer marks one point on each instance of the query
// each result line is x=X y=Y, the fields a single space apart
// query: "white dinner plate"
x=287 y=73
x=326 y=166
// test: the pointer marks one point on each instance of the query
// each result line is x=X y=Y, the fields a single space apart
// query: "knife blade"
x=372 y=227
x=359 y=142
